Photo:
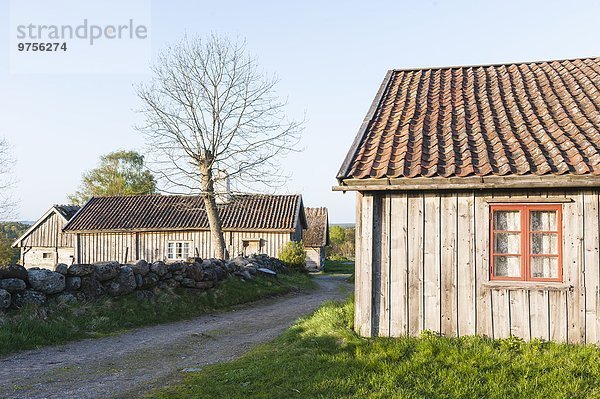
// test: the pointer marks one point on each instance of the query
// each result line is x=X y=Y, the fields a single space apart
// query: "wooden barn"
x=44 y=244
x=171 y=227
x=316 y=237
x=478 y=202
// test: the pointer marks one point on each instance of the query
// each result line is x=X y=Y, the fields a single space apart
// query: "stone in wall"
x=20 y=287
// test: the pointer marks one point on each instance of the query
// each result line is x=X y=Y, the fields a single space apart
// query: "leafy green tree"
x=119 y=173
x=9 y=232
x=341 y=242
x=8 y=255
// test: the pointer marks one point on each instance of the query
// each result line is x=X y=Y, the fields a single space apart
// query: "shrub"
x=342 y=243
x=293 y=255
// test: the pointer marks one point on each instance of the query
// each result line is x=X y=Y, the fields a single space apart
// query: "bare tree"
x=7 y=180
x=211 y=114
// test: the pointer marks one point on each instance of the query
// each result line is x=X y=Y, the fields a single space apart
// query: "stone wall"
x=81 y=282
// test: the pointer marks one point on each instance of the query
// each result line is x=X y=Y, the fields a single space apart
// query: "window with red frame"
x=526 y=242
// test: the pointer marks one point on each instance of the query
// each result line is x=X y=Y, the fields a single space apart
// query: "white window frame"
x=172 y=249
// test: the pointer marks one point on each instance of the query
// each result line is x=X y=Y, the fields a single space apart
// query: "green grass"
x=338 y=267
x=35 y=327
x=320 y=357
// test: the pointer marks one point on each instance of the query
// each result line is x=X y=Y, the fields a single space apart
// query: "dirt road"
x=132 y=363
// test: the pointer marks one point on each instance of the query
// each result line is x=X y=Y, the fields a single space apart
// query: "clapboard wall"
x=49 y=234
x=423 y=264
x=152 y=246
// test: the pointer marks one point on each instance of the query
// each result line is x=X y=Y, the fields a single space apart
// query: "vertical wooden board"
x=591 y=260
x=363 y=299
x=449 y=262
x=431 y=263
x=483 y=297
x=558 y=320
x=519 y=314
x=380 y=266
x=398 y=265
x=539 y=314
x=357 y=265
x=500 y=313
x=415 y=264
x=573 y=267
x=466 y=272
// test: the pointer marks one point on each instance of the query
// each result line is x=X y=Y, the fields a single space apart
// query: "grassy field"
x=338 y=267
x=35 y=327
x=320 y=357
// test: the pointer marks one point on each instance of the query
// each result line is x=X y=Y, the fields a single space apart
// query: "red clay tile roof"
x=537 y=118
x=164 y=212
x=317 y=234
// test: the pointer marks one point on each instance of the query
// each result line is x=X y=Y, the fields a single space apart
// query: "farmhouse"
x=170 y=228
x=44 y=244
x=477 y=202
x=316 y=238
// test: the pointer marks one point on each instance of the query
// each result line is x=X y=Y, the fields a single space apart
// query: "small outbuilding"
x=316 y=237
x=478 y=202
x=44 y=244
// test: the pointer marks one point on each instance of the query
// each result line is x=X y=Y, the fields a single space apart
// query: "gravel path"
x=130 y=364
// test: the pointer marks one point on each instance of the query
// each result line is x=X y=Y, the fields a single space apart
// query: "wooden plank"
x=449 y=265
x=500 y=313
x=381 y=265
x=431 y=263
x=591 y=260
x=519 y=314
x=558 y=322
x=469 y=183
x=484 y=323
x=415 y=264
x=531 y=198
x=573 y=267
x=364 y=294
x=399 y=266
x=539 y=314
x=358 y=266
x=465 y=264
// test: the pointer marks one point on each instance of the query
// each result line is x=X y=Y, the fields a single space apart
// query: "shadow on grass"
x=320 y=357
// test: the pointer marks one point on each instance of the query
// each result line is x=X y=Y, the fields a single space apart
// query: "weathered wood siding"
x=152 y=246
x=423 y=263
x=47 y=238
x=49 y=234
x=100 y=247
x=315 y=258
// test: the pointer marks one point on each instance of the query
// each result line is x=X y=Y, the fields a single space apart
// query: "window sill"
x=527 y=285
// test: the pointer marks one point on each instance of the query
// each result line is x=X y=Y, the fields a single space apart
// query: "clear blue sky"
x=330 y=58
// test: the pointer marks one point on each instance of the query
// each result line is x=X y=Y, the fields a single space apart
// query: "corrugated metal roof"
x=537 y=118
x=160 y=212
x=68 y=211
x=317 y=234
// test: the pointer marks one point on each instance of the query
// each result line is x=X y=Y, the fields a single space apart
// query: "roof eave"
x=164 y=230
x=469 y=183
x=35 y=225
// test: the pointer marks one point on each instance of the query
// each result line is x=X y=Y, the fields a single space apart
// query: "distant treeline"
x=9 y=232
x=342 y=242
